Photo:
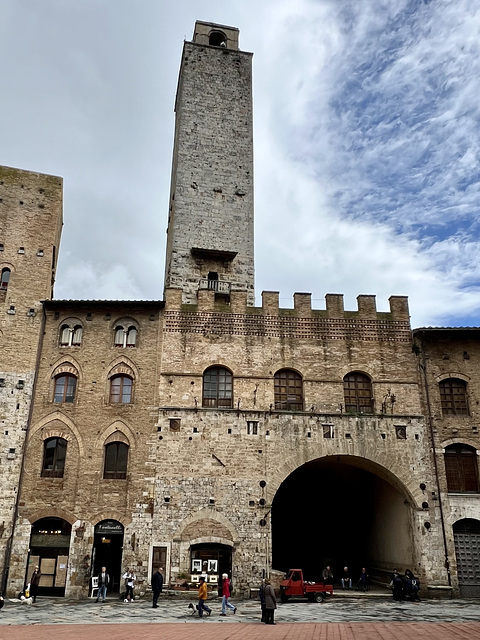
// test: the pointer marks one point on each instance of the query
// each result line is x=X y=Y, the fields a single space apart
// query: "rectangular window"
x=252 y=427
x=328 y=431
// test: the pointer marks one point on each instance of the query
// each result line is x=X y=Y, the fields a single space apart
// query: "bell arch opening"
x=342 y=511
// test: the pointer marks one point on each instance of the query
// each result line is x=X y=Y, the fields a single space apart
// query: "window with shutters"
x=288 y=390
x=358 y=393
x=453 y=397
x=461 y=468
x=116 y=457
x=54 y=454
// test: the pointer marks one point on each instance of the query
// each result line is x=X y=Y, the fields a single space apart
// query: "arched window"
x=288 y=388
x=4 y=280
x=453 y=397
x=71 y=335
x=125 y=337
x=116 y=456
x=65 y=387
x=217 y=39
x=54 y=453
x=357 y=388
x=217 y=388
x=121 y=389
x=461 y=468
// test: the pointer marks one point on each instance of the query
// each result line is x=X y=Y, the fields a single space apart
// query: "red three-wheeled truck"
x=295 y=586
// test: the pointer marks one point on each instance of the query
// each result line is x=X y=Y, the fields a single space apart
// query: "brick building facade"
x=206 y=435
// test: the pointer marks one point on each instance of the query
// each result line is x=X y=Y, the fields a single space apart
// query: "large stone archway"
x=342 y=510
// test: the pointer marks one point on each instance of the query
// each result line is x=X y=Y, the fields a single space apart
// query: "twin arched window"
x=461 y=468
x=217 y=388
x=4 y=279
x=358 y=393
x=125 y=336
x=288 y=390
x=71 y=335
x=453 y=397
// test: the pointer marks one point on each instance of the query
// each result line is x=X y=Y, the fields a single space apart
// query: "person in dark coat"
x=270 y=602
x=412 y=585
x=157 y=586
x=103 y=582
x=261 y=595
x=34 y=582
x=327 y=575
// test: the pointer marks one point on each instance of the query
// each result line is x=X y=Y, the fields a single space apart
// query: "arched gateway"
x=342 y=510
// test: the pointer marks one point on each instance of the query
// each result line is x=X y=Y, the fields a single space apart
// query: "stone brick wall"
x=30 y=226
x=451 y=353
x=211 y=202
x=82 y=495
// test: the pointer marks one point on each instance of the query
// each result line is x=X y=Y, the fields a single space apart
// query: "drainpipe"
x=8 y=547
x=423 y=367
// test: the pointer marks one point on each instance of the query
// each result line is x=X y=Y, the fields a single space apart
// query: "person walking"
x=157 y=586
x=129 y=577
x=270 y=603
x=226 y=595
x=103 y=582
x=202 y=598
x=34 y=582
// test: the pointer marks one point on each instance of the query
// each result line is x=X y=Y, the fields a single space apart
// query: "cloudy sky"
x=367 y=141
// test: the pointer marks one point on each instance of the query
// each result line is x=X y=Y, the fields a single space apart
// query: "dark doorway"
x=49 y=549
x=108 y=551
x=212 y=552
x=332 y=511
x=467 y=552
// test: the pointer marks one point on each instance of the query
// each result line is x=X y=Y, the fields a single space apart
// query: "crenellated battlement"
x=302 y=322
x=302 y=306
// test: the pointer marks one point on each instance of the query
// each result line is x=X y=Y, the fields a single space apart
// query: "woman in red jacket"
x=226 y=595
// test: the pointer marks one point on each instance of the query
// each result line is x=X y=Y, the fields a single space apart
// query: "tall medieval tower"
x=210 y=224
x=30 y=228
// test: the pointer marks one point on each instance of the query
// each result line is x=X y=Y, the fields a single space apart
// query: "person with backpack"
x=226 y=588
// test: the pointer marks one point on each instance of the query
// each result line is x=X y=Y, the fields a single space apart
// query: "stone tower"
x=30 y=228
x=210 y=224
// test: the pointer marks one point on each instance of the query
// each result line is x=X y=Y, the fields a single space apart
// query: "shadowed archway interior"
x=339 y=511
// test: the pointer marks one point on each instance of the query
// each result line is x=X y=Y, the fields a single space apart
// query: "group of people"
x=103 y=582
x=203 y=595
x=346 y=579
x=157 y=586
x=405 y=587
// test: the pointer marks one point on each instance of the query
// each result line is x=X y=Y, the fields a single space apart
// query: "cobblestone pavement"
x=53 y=611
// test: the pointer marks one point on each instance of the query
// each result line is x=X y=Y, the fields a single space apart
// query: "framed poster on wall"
x=196 y=565
x=212 y=566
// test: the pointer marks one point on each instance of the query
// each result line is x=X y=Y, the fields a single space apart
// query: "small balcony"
x=220 y=287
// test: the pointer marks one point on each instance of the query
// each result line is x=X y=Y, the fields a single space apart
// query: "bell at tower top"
x=215 y=35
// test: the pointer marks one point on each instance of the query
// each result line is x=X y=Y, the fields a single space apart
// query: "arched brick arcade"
x=342 y=510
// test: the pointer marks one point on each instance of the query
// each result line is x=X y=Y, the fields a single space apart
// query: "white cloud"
x=366 y=141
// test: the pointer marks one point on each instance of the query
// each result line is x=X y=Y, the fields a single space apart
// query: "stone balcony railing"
x=219 y=286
